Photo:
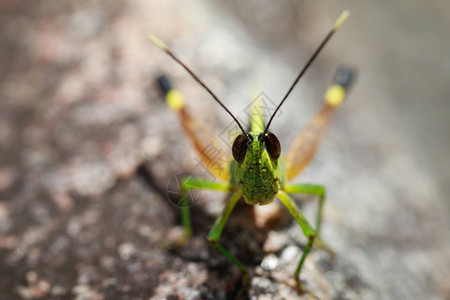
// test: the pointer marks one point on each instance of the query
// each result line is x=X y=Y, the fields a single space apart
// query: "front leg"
x=320 y=192
x=216 y=232
x=310 y=189
x=190 y=183
x=307 y=229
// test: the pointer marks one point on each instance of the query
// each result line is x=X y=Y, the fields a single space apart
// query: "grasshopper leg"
x=216 y=231
x=319 y=191
x=307 y=229
x=306 y=144
x=190 y=183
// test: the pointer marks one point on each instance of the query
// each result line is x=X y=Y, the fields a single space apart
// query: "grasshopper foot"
x=244 y=285
x=175 y=242
x=302 y=290
x=321 y=245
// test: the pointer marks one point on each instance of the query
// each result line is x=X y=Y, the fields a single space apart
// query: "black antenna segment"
x=344 y=15
x=163 y=47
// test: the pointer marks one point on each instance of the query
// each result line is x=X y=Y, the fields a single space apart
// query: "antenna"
x=344 y=15
x=163 y=47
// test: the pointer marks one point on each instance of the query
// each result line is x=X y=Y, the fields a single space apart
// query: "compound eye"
x=273 y=145
x=239 y=148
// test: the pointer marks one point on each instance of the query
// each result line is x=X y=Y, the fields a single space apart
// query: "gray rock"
x=88 y=149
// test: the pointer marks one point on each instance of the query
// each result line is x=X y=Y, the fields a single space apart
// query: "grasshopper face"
x=257 y=166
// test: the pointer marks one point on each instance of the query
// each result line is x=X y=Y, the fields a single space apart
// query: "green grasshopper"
x=258 y=173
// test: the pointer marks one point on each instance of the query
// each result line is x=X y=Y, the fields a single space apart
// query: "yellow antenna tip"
x=344 y=15
x=157 y=42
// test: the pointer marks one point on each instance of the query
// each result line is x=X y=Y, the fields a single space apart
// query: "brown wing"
x=211 y=154
x=305 y=145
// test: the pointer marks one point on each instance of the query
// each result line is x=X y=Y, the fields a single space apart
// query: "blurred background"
x=88 y=148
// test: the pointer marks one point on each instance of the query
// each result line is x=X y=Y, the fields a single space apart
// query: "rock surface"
x=87 y=150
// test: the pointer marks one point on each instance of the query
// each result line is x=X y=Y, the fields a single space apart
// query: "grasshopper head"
x=252 y=142
x=257 y=157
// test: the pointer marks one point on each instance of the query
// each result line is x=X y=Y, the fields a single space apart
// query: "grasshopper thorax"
x=257 y=156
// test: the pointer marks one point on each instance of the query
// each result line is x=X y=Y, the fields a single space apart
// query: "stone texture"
x=87 y=150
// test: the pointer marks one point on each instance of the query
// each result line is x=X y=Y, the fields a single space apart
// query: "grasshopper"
x=258 y=173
